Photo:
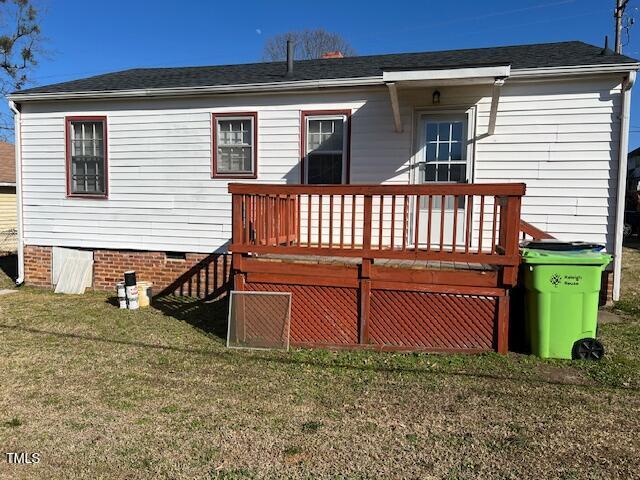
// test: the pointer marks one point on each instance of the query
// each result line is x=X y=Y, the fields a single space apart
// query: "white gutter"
x=204 y=90
x=573 y=70
x=7 y=184
x=17 y=122
x=526 y=73
x=627 y=85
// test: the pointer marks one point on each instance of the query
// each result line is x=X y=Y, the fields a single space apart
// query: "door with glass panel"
x=443 y=159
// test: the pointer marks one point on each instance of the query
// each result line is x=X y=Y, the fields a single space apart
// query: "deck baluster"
x=455 y=223
x=481 y=226
x=393 y=221
x=380 y=222
x=417 y=229
x=442 y=213
x=341 y=221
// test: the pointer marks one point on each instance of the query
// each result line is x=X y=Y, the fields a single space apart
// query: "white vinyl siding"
x=560 y=137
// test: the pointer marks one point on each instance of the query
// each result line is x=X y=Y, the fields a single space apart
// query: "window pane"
x=314 y=126
x=457 y=173
x=432 y=132
x=443 y=151
x=456 y=131
x=234 y=160
x=443 y=131
x=324 y=168
x=431 y=152
x=443 y=172
x=456 y=151
x=430 y=172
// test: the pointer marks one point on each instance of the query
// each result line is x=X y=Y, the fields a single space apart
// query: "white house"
x=135 y=165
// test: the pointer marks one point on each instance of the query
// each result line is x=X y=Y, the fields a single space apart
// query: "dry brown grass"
x=104 y=393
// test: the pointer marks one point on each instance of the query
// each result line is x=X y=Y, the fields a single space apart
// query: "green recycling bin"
x=562 y=289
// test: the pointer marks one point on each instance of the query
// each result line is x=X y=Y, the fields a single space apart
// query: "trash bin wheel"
x=588 y=349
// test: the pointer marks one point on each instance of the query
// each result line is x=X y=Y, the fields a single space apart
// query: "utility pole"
x=619 y=12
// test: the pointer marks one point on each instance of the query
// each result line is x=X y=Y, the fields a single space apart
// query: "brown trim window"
x=235 y=145
x=86 y=147
x=325 y=147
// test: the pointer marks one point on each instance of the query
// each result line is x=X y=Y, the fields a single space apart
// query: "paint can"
x=122 y=294
x=130 y=278
x=144 y=293
x=132 y=296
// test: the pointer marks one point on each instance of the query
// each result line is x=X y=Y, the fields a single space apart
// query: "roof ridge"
x=364 y=57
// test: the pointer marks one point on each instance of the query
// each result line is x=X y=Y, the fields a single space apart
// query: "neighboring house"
x=8 y=236
x=135 y=165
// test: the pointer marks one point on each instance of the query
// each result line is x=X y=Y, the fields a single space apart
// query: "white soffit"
x=450 y=76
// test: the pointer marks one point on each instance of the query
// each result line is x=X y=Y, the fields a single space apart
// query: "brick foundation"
x=197 y=275
x=606 y=288
x=37 y=266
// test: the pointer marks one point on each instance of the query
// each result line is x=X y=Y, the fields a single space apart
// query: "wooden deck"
x=385 y=267
x=381 y=262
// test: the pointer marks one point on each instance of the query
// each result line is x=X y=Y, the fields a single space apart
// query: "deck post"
x=503 y=324
x=365 y=301
x=511 y=211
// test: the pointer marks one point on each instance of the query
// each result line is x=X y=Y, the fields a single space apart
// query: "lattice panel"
x=327 y=315
x=259 y=320
x=432 y=320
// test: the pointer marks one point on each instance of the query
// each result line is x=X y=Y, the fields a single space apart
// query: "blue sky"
x=83 y=40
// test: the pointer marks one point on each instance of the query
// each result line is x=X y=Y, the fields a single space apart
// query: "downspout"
x=627 y=84
x=17 y=119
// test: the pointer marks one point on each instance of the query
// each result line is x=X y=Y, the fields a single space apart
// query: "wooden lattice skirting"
x=388 y=319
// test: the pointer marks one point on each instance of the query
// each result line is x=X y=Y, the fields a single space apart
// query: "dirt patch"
x=563 y=375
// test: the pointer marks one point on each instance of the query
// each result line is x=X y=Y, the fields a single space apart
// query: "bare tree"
x=308 y=44
x=19 y=43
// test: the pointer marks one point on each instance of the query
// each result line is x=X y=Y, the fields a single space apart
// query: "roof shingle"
x=520 y=56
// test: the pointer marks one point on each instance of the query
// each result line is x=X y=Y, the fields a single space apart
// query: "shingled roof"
x=519 y=57
x=7 y=163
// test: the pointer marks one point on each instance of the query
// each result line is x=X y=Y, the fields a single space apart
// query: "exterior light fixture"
x=436 y=97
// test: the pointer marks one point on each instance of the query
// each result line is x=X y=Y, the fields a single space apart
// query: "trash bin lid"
x=564 y=257
x=559 y=246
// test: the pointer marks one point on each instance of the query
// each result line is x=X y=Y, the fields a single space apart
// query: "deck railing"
x=531 y=232
x=473 y=223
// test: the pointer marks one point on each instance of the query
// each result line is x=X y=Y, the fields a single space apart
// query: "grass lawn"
x=104 y=393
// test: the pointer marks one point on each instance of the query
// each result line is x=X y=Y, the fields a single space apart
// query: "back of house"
x=134 y=166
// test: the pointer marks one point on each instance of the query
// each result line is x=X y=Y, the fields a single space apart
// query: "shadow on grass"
x=198 y=296
x=308 y=360
x=208 y=316
x=9 y=266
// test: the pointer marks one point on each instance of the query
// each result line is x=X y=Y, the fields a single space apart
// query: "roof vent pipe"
x=289 y=58
x=606 y=50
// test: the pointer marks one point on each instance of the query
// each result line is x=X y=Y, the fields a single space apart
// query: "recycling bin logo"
x=555 y=279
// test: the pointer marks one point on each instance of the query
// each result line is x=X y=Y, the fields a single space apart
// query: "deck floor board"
x=386 y=262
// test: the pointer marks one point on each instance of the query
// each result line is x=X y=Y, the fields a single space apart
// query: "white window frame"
x=345 y=143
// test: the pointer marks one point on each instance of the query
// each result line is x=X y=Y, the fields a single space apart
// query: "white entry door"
x=443 y=159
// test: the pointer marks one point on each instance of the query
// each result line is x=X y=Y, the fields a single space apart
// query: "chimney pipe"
x=606 y=50
x=289 y=58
